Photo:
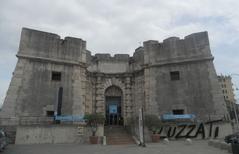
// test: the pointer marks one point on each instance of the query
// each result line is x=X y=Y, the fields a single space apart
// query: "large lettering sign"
x=190 y=130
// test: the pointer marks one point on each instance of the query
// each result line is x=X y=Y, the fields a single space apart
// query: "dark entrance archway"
x=113 y=106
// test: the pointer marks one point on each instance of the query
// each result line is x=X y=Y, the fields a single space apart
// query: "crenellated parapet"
x=105 y=63
x=137 y=60
x=173 y=49
x=108 y=57
x=48 y=46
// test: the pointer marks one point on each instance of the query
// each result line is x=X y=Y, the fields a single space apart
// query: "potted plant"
x=93 y=121
x=153 y=123
x=155 y=135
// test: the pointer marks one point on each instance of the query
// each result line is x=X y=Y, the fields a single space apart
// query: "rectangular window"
x=56 y=76
x=174 y=75
x=50 y=113
x=178 y=111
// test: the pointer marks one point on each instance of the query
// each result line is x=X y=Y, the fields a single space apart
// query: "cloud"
x=117 y=26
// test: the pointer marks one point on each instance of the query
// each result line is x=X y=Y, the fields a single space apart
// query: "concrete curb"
x=220 y=144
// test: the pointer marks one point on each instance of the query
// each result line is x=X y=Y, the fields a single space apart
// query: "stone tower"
x=45 y=63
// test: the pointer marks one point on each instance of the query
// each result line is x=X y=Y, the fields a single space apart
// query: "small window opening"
x=174 y=75
x=178 y=111
x=56 y=76
x=49 y=113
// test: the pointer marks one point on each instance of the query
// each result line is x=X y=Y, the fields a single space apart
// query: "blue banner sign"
x=70 y=118
x=113 y=109
x=177 y=116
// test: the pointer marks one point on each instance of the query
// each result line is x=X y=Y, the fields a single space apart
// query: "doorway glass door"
x=113 y=111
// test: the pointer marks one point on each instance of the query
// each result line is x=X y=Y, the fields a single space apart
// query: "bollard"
x=188 y=141
x=166 y=141
x=104 y=140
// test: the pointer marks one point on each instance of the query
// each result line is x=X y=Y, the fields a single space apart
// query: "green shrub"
x=153 y=123
x=93 y=120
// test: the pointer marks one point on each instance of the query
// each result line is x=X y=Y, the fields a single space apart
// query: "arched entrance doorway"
x=113 y=106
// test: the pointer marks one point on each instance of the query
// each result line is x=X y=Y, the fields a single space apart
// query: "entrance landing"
x=117 y=135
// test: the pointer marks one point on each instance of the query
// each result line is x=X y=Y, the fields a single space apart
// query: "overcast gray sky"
x=117 y=26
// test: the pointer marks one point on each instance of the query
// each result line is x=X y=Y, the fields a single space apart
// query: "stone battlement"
x=108 y=57
x=39 y=44
x=195 y=45
x=197 y=39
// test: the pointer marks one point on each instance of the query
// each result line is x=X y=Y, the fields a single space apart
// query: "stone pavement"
x=174 y=147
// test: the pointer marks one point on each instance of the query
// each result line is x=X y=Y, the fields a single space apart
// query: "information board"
x=113 y=109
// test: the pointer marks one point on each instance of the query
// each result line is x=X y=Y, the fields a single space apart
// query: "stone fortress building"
x=174 y=76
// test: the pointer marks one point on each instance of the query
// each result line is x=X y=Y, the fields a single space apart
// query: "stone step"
x=119 y=143
x=117 y=135
x=120 y=140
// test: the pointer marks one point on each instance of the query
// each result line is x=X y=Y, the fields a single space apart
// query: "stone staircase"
x=117 y=135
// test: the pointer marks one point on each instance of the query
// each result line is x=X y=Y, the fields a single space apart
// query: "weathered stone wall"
x=138 y=82
x=89 y=94
x=172 y=50
x=196 y=91
x=138 y=92
x=144 y=78
x=39 y=90
x=103 y=82
x=32 y=90
x=10 y=102
x=137 y=60
x=47 y=45
x=43 y=134
x=104 y=63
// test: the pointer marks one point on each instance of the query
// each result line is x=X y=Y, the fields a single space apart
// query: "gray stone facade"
x=176 y=74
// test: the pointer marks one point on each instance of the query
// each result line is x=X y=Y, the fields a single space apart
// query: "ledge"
x=178 y=61
x=53 y=60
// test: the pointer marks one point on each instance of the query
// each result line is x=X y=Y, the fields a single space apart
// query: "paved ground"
x=174 y=147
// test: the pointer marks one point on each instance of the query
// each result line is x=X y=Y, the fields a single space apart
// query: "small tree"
x=93 y=120
x=153 y=123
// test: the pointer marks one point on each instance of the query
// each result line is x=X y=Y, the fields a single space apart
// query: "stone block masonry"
x=172 y=76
